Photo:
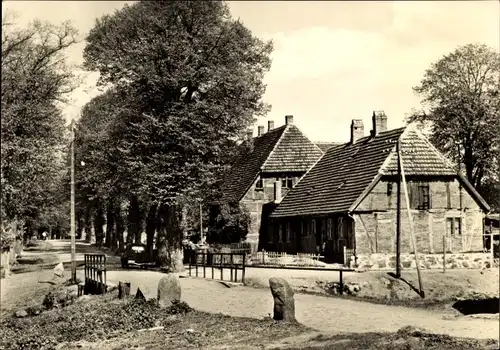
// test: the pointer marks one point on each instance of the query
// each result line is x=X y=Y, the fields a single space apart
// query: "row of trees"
x=35 y=80
x=183 y=82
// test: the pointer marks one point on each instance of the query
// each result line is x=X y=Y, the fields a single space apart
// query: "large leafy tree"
x=195 y=77
x=35 y=78
x=461 y=100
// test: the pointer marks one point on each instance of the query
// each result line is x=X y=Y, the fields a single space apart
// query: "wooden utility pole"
x=414 y=243
x=201 y=223
x=398 y=214
x=73 y=242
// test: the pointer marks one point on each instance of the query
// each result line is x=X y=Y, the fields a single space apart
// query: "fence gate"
x=218 y=265
x=95 y=274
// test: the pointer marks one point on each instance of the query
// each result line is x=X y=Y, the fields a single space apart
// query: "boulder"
x=139 y=295
x=169 y=290
x=21 y=313
x=284 y=303
x=59 y=270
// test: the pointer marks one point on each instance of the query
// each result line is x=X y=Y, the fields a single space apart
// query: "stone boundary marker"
x=284 y=302
x=169 y=290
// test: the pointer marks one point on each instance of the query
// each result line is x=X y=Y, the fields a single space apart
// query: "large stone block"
x=284 y=302
x=169 y=290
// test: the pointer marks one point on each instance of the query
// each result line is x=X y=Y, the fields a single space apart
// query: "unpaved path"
x=322 y=313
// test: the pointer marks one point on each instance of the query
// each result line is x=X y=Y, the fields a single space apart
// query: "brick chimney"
x=289 y=120
x=277 y=191
x=357 y=130
x=270 y=125
x=379 y=122
x=260 y=130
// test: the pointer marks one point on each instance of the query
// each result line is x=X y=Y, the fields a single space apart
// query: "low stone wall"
x=427 y=261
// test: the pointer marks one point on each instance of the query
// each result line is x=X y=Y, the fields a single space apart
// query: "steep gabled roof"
x=339 y=178
x=284 y=149
x=345 y=174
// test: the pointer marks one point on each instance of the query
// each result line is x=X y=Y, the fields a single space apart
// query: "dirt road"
x=323 y=313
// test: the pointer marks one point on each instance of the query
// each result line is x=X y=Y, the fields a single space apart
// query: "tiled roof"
x=246 y=169
x=284 y=149
x=293 y=153
x=345 y=172
x=325 y=146
x=339 y=178
x=419 y=158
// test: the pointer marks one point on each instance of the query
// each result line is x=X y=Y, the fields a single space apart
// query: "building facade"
x=346 y=205
x=276 y=161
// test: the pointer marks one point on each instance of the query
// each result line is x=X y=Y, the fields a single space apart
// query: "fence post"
x=444 y=253
x=196 y=263
x=231 y=266
x=492 y=253
x=204 y=264
x=236 y=273
x=190 y=261
x=341 y=283
x=243 y=272
x=221 y=267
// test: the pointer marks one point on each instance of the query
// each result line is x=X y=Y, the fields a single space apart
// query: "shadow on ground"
x=481 y=306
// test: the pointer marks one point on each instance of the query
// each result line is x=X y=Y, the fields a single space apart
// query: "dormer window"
x=287 y=182
x=259 y=186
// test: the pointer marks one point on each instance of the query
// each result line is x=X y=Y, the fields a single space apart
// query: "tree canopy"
x=186 y=83
x=35 y=79
x=461 y=104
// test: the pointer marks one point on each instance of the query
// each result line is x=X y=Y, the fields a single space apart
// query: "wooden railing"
x=95 y=274
x=209 y=265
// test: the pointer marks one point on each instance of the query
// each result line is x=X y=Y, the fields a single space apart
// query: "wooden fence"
x=209 y=265
x=281 y=259
x=95 y=274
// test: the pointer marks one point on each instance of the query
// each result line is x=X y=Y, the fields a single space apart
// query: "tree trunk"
x=151 y=225
x=88 y=225
x=169 y=240
x=98 y=224
x=120 y=229
x=110 y=224
x=80 y=224
x=135 y=220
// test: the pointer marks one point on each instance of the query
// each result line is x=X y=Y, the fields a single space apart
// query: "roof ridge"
x=434 y=149
x=271 y=131
x=275 y=145
x=287 y=128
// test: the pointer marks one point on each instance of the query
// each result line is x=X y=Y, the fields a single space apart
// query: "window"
x=329 y=228
x=288 y=236
x=453 y=226
x=280 y=233
x=259 y=185
x=389 y=188
x=287 y=182
x=420 y=196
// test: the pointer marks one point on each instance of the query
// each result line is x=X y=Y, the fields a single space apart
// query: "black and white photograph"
x=208 y=174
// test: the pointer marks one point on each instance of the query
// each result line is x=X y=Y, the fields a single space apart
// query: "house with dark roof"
x=345 y=205
x=276 y=160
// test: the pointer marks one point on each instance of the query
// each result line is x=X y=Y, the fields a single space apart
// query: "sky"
x=332 y=61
